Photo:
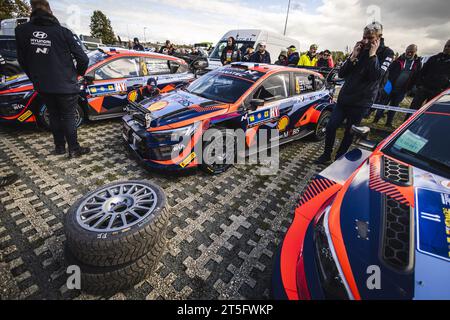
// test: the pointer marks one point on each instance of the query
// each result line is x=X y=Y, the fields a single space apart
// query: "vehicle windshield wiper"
x=429 y=161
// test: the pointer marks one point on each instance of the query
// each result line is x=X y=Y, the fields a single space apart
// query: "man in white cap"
x=262 y=55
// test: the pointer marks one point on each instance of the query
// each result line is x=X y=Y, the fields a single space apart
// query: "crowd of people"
x=371 y=74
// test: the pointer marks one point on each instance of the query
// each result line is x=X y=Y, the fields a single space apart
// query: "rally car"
x=244 y=96
x=112 y=74
x=376 y=225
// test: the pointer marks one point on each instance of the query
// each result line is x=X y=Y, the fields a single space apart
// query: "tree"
x=14 y=9
x=101 y=28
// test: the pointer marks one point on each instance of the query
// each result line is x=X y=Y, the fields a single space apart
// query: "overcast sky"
x=332 y=24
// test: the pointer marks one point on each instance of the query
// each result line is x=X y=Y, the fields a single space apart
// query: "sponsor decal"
x=188 y=160
x=107 y=89
x=11 y=78
x=25 y=116
x=157 y=106
x=446 y=184
x=132 y=96
x=283 y=123
x=433 y=227
x=263 y=116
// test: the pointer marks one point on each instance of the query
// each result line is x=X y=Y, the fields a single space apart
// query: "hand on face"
x=374 y=45
x=357 y=50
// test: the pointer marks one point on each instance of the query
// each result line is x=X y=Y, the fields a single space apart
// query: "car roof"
x=270 y=68
x=441 y=105
x=119 y=52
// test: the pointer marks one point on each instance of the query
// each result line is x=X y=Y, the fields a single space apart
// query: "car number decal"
x=433 y=223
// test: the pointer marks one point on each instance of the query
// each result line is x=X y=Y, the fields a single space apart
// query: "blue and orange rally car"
x=243 y=96
x=112 y=74
x=382 y=231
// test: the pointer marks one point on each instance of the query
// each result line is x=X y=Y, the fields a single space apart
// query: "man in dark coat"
x=230 y=53
x=46 y=52
x=362 y=72
x=262 y=55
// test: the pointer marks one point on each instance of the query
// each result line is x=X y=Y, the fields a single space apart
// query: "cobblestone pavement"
x=223 y=234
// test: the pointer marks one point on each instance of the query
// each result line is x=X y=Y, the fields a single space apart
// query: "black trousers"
x=352 y=116
x=423 y=95
x=62 y=111
x=395 y=99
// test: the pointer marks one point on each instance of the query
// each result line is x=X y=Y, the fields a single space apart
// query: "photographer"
x=46 y=52
x=362 y=72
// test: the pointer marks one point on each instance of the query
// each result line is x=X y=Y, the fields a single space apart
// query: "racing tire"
x=209 y=166
x=111 y=280
x=321 y=127
x=44 y=119
x=116 y=224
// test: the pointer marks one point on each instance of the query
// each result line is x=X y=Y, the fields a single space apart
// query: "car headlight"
x=332 y=279
x=176 y=135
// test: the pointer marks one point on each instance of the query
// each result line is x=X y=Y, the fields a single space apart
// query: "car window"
x=422 y=145
x=220 y=87
x=156 y=66
x=275 y=88
x=121 y=68
x=305 y=83
x=176 y=67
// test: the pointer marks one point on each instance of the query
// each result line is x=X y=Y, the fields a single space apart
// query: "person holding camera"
x=363 y=72
x=46 y=52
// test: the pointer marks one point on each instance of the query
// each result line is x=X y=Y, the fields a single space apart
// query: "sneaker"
x=59 y=151
x=8 y=180
x=323 y=159
x=79 y=152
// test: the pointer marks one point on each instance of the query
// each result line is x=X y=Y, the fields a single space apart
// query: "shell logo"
x=157 y=106
x=283 y=124
x=132 y=96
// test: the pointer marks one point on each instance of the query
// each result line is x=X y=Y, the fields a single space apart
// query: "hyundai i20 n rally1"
x=381 y=232
x=104 y=89
x=243 y=96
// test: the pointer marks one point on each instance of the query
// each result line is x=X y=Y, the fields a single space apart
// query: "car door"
x=169 y=73
x=107 y=96
x=276 y=92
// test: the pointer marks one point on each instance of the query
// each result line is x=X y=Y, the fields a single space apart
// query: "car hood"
x=397 y=226
x=15 y=82
x=180 y=106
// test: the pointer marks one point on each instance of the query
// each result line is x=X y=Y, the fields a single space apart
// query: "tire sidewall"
x=325 y=115
x=42 y=116
x=210 y=168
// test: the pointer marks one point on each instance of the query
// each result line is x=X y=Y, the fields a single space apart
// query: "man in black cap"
x=46 y=52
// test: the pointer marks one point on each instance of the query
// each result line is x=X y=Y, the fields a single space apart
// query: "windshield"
x=424 y=144
x=96 y=57
x=241 y=45
x=220 y=87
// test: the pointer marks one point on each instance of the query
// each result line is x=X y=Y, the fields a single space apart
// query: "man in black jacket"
x=434 y=78
x=362 y=72
x=262 y=55
x=46 y=52
x=403 y=75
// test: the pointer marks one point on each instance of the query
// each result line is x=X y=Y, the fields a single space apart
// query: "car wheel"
x=321 y=128
x=110 y=280
x=44 y=117
x=219 y=154
x=116 y=224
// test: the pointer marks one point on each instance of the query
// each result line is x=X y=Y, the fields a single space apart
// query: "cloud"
x=333 y=24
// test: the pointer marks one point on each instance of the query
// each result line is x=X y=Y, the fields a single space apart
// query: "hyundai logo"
x=40 y=35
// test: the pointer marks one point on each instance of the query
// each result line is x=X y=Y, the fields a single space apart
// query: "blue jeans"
x=394 y=101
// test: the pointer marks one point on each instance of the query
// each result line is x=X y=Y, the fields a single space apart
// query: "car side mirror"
x=255 y=104
x=362 y=138
x=89 y=79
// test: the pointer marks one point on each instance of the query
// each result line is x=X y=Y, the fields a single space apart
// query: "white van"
x=8 y=26
x=275 y=44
